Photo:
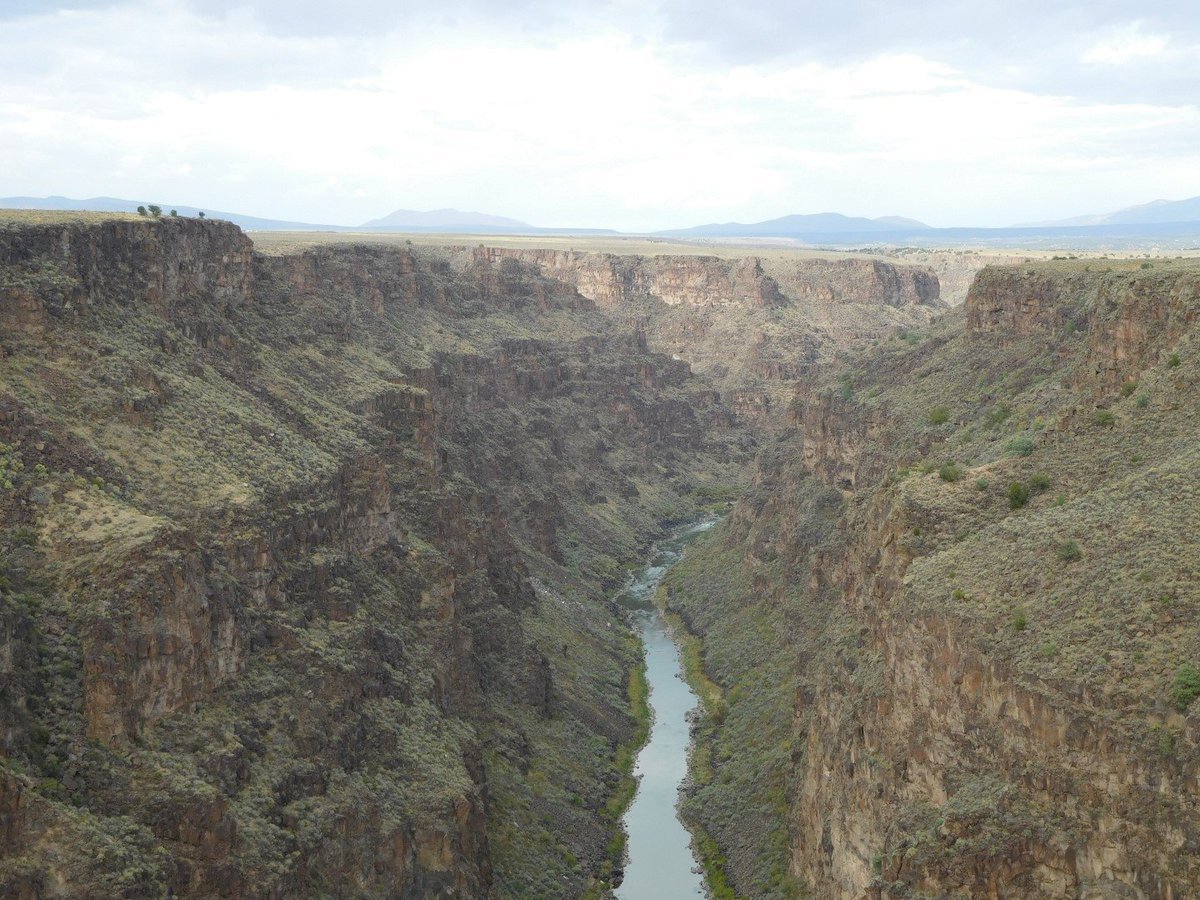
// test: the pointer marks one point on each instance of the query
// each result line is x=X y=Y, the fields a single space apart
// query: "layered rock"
x=610 y=280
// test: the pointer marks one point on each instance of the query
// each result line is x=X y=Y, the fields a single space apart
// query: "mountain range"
x=1171 y=222
x=1155 y=212
x=796 y=225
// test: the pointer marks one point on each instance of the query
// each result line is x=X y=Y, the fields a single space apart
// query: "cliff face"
x=302 y=565
x=990 y=625
x=675 y=280
x=863 y=281
x=753 y=326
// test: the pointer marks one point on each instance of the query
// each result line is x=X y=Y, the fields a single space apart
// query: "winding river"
x=661 y=864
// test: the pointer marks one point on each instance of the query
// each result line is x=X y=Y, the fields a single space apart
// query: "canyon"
x=309 y=561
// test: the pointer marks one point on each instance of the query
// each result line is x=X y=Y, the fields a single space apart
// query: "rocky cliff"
x=753 y=326
x=972 y=559
x=303 y=562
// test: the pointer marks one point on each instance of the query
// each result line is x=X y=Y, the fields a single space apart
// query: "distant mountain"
x=1157 y=212
x=901 y=222
x=801 y=225
x=444 y=219
x=115 y=204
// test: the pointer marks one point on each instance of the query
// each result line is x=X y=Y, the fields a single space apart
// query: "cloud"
x=1127 y=45
x=583 y=114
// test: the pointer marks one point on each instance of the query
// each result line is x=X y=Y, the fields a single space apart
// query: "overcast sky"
x=631 y=114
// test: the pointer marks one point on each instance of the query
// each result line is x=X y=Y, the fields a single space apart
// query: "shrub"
x=142 y=211
x=950 y=472
x=1068 y=551
x=1128 y=388
x=1021 y=446
x=1105 y=418
x=1173 y=360
x=1142 y=401
x=998 y=413
x=1186 y=687
x=981 y=484
x=939 y=415
x=1018 y=495
x=1019 y=620
x=1039 y=482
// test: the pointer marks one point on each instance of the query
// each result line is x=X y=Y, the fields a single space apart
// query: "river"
x=661 y=865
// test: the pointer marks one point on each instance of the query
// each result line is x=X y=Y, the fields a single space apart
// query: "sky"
x=629 y=114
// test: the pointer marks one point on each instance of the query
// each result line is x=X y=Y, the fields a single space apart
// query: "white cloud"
x=599 y=126
x=1127 y=45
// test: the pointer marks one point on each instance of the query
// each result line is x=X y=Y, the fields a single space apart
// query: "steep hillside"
x=955 y=617
x=302 y=565
x=753 y=326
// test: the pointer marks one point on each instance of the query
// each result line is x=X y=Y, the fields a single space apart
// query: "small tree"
x=142 y=211
x=175 y=213
x=155 y=211
x=200 y=214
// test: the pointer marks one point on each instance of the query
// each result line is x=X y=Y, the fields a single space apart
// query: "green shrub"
x=1105 y=418
x=981 y=484
x=1142 y=401
x=1128 y=388
x=950 y=472
x=939 y=415
x=1186 y=687
x=1019 y=620
x=1018 y=495
x=1021 y=445
x=1068 y=551
x=1166 y=742
x=1039 y=482
x=1173 y=360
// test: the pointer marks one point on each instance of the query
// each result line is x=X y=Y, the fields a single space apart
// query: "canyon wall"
x=753 y=326
x=974 y=553
x=304 y=560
